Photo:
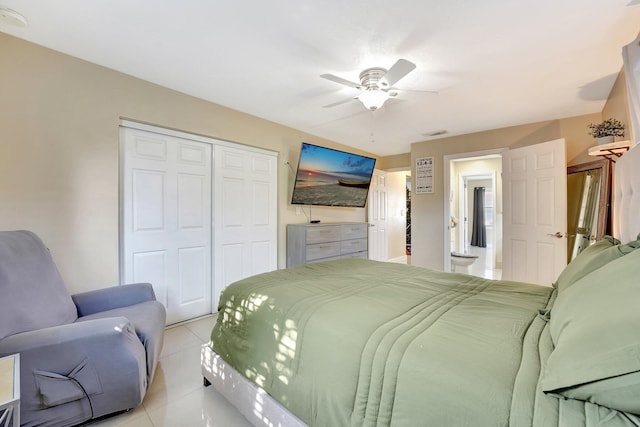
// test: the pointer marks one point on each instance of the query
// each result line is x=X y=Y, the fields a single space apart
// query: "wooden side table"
x=10 y=390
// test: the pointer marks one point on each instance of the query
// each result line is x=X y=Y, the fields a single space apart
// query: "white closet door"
x=246 y=214
x=166 y=220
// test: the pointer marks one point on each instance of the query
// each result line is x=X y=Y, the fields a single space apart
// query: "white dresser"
x=308 y=243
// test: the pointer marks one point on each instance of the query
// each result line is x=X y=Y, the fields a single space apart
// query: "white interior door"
x=377 y=214
x=535 y=212
x=246 y=229
x=166 y=220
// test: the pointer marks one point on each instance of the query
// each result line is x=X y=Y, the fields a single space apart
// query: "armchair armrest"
x=103 y=355
x=113 y=297
x=99 y=333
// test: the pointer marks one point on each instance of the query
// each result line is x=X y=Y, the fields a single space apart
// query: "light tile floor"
x=483 y=266
x=177 y=397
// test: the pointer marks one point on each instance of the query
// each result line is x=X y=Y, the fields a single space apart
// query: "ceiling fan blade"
x=396 y=72
x=434 y=92
x=335 y=104
x=340 y=80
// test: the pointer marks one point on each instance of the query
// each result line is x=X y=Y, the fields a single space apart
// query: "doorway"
x=391 y=203
x=466 y=172
x=477 y=230
x=378 y=237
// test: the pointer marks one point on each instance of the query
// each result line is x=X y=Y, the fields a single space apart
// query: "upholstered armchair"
x=82 y=356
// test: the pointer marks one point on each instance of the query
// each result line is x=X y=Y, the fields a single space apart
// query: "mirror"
x=588 y=200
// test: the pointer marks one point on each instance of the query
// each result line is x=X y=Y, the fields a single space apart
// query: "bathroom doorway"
x=473 y=238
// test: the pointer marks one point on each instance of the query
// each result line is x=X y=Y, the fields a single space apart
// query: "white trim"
x=398 y=260
x=200 y=138
x=121 y=203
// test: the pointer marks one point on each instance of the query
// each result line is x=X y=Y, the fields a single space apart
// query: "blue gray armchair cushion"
x=82 y=356
x=45 y=301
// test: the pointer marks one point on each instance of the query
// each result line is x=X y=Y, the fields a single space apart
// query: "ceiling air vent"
x=435 y=133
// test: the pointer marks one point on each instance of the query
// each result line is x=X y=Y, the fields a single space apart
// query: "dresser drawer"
x=361 y=255
x=323 y=250
x=326 y=241
x=322 y=234
x=311 y=261
x=354 y=245
x=354 y=231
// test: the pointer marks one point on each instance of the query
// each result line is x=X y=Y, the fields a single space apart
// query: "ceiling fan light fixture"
x=11 y=17
x=373 y=99
x=376 y=84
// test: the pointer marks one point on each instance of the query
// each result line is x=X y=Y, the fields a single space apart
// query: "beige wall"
x=59 y=141
x=617 y=105
x=390 y=163
x=427 y=210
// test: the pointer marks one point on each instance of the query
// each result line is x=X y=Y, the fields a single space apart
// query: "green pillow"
x=619 y=392
x=593 y=257
x=594 y=326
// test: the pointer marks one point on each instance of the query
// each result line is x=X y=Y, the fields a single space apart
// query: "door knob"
x=557 y=234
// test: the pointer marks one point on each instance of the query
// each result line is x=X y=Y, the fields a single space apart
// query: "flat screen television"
x=328 y=177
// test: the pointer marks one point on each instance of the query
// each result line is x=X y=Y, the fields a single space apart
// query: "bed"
x=363 y=343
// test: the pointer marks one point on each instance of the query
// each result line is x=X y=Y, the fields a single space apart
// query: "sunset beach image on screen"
x=328 y=177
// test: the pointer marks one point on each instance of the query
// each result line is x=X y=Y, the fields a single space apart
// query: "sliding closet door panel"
x=151 y=267
x=261 y=191
x=246 y=214
x=193 y=276
x=148 y=200
x=166 y=219
x=262 y=254
x=233 y=258
x=231 y=198
x=191 y=189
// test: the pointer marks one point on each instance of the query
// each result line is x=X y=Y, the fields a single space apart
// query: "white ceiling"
x=493 y=63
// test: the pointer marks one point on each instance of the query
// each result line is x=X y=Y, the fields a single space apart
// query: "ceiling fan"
x=376 y=84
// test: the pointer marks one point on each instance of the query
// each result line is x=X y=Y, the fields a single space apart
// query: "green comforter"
x=364 y=343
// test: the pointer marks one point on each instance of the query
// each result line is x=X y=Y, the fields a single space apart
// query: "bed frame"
x=260 y=409
x=251 y=401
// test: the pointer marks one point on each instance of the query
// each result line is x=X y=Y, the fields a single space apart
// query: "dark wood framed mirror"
x=588 y=204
